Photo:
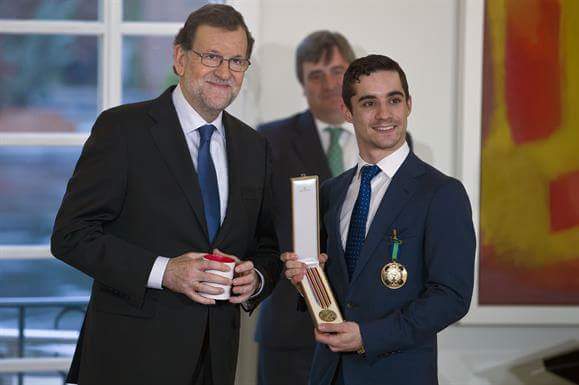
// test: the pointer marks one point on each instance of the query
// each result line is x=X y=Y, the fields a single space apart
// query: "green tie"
x=334 y=154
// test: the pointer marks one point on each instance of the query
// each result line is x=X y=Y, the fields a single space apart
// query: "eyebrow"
x=216 y=52
x=372 y=97
x=315 y=72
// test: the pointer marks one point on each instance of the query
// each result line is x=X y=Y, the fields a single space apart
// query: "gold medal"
x=327 y=315
x=393 y=275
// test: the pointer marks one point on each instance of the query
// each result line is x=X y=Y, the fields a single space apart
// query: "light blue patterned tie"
x=208 y=181
x=357 y=228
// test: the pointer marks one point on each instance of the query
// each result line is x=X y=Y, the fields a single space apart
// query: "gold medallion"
x=327 y=315
x=394 y=275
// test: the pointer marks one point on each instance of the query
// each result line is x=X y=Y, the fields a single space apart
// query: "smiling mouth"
x=385 y=128
x=219 y=85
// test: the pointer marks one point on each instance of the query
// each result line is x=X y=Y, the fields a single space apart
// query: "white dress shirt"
x=347 y=141
x=388 y=168
x=190 y=121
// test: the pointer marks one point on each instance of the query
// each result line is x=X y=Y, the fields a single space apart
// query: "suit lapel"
x=232 y=143
x=338 y=195
x=401 y=189
x=308 y=146
x=172 y=144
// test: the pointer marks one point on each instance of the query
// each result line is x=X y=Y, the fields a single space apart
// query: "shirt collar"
x=189 y=118
x=321 y=126
x=390 y=164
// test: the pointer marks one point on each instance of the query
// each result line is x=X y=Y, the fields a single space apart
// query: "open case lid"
x=305 y=224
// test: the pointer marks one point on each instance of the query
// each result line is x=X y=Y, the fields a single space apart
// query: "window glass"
x=49 y=83
x=32 y=184
x=155 y=10
x=49 y=9
x=147 y=67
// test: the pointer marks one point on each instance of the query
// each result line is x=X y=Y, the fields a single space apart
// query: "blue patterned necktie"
x=208 y=181
x=357 y=228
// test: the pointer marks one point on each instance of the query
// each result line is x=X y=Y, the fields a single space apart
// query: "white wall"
x=405 y=30
x=423 y=36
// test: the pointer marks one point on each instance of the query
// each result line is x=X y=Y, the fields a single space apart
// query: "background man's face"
x=379 y=114
x=210 y=90
x=323 y=87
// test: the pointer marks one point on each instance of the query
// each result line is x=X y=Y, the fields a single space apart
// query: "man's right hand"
x=294 y=269
x=187 y=274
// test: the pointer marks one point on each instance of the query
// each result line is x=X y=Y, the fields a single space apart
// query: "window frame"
x=110 y=29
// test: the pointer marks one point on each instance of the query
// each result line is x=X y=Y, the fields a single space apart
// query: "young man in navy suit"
x=400 y=243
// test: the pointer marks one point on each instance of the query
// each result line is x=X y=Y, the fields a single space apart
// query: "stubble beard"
x=211 y=105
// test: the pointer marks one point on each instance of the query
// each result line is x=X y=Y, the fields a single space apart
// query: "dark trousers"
x=339 y=375
x=284 y=366
x=202 y=374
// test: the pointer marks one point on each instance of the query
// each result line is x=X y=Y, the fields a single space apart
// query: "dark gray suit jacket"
x=135 y=195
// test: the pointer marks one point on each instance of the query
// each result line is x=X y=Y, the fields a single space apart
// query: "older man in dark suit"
x=400 y=244
x=314 y=142
x=158 y=185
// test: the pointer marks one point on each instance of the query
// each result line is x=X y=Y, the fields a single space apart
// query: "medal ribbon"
x=395 y=244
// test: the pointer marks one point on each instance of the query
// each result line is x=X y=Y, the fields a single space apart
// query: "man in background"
x=319 y=142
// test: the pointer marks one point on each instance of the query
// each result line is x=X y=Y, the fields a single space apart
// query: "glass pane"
x=49 y=82
x=34 y=379
x=51 y=317
x=32 y=184
x=147 y=67
x=155 y=10
x=49 y=9
x=41 y=278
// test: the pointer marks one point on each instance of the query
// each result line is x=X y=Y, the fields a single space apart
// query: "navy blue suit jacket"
x=432 y=215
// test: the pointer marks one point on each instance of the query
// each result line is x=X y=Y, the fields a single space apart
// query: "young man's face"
x=323 y=87
x=379 y=114
x=209 y=90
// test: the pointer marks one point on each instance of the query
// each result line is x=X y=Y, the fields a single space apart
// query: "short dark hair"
x=318 y=45
x=214 y=15
x=366 y=66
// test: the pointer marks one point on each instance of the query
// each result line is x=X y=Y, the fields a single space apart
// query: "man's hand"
x=342 y=337
x=245 y=279
x=187 y=274
x=294 y=269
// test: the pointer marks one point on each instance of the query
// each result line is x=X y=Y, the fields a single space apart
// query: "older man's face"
x=209 y=90
x=323 y=87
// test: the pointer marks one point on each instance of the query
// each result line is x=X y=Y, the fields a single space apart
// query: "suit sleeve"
x=266 y=258
x=94 y=198
x=449 y=249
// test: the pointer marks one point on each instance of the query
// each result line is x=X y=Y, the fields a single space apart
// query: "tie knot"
x=335 y=132
x=206 y=131
x=369 y=172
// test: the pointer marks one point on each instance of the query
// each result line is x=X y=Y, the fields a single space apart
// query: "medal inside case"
x=316 y=289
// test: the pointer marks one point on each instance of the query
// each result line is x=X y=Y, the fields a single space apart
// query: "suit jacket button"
x=350 y=305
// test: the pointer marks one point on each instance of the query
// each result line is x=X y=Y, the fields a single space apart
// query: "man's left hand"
x=245 y=279
x=342 y=337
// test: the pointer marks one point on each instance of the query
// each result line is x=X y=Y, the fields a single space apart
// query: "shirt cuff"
x=260 y=288
x=156 y=276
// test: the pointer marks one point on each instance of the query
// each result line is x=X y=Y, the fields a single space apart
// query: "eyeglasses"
x=214 y=60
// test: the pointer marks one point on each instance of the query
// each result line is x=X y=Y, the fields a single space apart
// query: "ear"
x=409 y=104
x=179 y=59
x=346 y=112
